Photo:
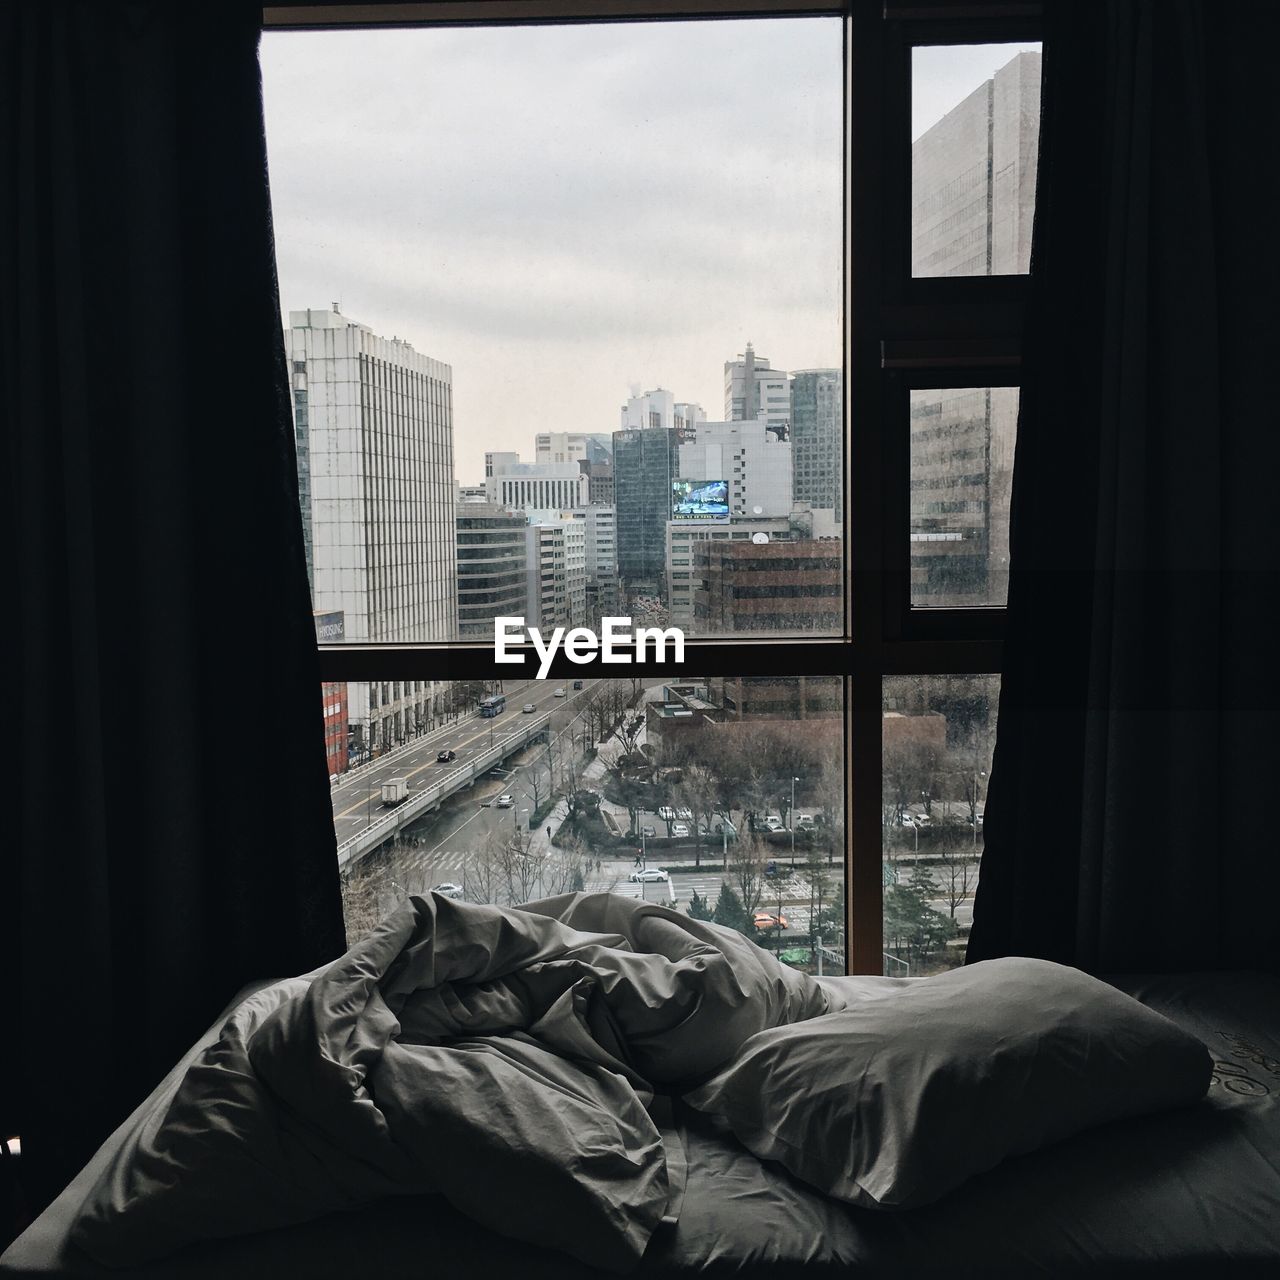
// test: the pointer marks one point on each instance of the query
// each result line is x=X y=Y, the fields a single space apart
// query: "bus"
x=494 y=705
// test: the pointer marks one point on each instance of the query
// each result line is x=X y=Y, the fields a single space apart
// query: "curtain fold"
x=168 y=824
x=1128 y=819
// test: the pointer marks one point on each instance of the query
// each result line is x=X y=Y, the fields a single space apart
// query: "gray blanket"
x=505 y=1059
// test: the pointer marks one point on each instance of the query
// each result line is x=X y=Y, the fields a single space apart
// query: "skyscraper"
x=645 y=462
x=817 y=435
x=973 y=195
x=754 y=390
x=373 y=421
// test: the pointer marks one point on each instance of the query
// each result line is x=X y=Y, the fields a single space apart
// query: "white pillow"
x=903 y=1096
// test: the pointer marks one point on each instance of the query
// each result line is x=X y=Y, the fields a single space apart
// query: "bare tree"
x=748 y=858
x=696 y=791
x=481 y=873
x=360 y=885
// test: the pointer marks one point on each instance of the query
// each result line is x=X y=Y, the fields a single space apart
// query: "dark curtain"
x=1130 y=822
x=166 y=813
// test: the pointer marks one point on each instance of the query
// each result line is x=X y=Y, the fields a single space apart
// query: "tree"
x=730 y=912
x=627 y=731
x=700 y=908
x=696 y=792
x=911 y=925
x=748 y=858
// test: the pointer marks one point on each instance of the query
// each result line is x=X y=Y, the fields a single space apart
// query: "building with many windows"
x=373 y=421
x=533 y=486
x=556 y=570
x=492 y=564
x=600 y=533
x=817 y=436
x=754 y=390
x=645 y=462
x=795 y=585
x=683 y=539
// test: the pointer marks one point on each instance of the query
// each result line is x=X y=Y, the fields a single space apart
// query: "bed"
x=1183 y=1193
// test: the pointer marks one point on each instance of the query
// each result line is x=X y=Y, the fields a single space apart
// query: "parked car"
x=666 y=813
x=446 y=757
x=448 y=889
x=907 y=821
x=922 y=819
x=773 y=823
x=529 y=708
x=679 y=831
x=770 y=920
x=649 y=875
x=577 y=684
x=505 y=801
x=804 y=820
x=648 y=832
x=773 y=817
x=559 y=693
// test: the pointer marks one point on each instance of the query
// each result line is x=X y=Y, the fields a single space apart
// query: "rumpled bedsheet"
x=507 y=1059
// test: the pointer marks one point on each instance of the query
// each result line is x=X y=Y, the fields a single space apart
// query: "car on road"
x=448 y=889
x=679 y=831
x=529 y=708
x=649 y=875
x=559 y=693
x=648 y=832
x=505 y=800
x=770 y=920
x=666 y=813
x=446 y=757
x=577 y=684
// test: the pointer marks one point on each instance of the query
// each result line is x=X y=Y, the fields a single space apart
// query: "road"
x=357 y=798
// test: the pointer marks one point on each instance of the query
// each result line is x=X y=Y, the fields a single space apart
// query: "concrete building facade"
x=752 y=389
x=533 y=486
x=753 y=461
x=973 y=178
x=373 y=422
x=556 y=571
x=659 y=410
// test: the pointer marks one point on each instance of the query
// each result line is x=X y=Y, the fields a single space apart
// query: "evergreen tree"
x=730 y=912
x=700 y=908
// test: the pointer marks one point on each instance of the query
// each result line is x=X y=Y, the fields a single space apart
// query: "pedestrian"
x=548 y=833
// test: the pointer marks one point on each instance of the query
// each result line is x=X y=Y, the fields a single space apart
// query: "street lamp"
x=791 y=819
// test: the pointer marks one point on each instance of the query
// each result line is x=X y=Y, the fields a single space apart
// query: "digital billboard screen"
x=699 y=500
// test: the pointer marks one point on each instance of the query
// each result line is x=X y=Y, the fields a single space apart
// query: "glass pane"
x=567 y=360
x=939 y=733
x=720 y=796
x=962 y=441
x=975 y=132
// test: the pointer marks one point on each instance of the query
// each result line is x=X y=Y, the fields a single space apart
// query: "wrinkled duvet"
x=509 y=1060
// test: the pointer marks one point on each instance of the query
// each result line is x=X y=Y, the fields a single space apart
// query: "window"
x=431 y=510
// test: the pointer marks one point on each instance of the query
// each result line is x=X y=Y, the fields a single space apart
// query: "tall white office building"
x=373 y=421
x=556 y=570
x=754 y=390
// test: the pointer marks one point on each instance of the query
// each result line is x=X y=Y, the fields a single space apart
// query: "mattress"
x=1186 y=1193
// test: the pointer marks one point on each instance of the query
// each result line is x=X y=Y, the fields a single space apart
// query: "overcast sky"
x=568 y=214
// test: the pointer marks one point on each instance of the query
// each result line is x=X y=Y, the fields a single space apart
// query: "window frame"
x=900 y=331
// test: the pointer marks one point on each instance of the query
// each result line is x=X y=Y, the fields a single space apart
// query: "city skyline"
x=565 y=215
